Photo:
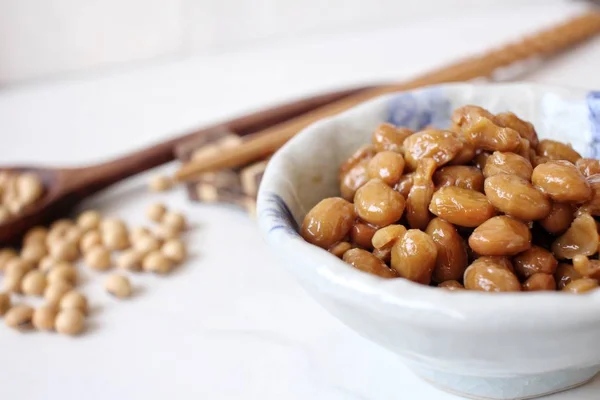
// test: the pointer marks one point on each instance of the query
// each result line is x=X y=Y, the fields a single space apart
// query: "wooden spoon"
x=66 y=187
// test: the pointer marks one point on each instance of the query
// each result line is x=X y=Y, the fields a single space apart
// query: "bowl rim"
x=396 y=297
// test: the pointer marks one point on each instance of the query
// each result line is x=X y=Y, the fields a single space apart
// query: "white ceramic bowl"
x=490 y=346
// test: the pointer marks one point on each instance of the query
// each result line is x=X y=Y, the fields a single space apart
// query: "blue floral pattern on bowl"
x=281 y=215
x=421 y=109
x=593 y=102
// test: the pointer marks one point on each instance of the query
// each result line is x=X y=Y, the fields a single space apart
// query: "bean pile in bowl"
x=484 y=206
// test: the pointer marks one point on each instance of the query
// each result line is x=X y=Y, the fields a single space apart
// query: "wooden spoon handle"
x=548 y=42
x=88 y=180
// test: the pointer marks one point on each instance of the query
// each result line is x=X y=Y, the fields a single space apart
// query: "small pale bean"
x=166 y=232
x=156 y=262
x=35 y=235
x=160 y=183
x=5 y=255
x=118 y=285
x=47 y=263
x=74 y=299
x=146 y=243
x=90 y=239
x=44 y=317
x=98 y=258
x=33 y=283
x=64 y=250
x=367 y=262
x=34 y=252
x=156 y=211
x=70 y=321
x=89 y=220
x=63 y=271
x=115 y=239
x=139 y=231
x=19 y=317
x=174 y=219
x=55 y=291
x=174 y=250
x=112 y=224
x=130 y=259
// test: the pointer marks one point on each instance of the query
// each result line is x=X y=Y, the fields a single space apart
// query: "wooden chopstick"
x=263 y=143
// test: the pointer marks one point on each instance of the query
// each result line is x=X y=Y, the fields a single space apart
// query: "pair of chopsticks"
x=546 y=43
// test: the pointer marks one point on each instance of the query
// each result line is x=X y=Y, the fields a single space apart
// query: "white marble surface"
x=230 y=324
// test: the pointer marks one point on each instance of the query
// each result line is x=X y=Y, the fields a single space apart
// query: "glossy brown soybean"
x=328 y=222
x=384 y=254
x=562 y=181
x=452 y=259
x=580 y=239
x=367 y=262
x=559 y=219
x=405 y=184
x=489 y=277
x=378 y=204
x=463 y=176
x=500 y=236
x=464 y=155
x=386 y=237
x=354 y=179
x=388 y=137
x=339 y=249
x=480 y=159
x=507 y=163
x=414 y=256
x=525 y=128
x=441 y=146
x=588 y=166
x=516 y=197
x=484 y=132
x=363 y=153
x=565 y=274
x=501 y=261
x=554 y=150
x=462 y=207
x=539 y=282
x=387 y=166
x=361 y=235
x=534 y=260
x=586 y=267
x=593 y=205
x=451 y=285
x=419 y=197
x=581 y=285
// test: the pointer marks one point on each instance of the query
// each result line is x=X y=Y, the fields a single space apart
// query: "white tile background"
x=41 y=39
